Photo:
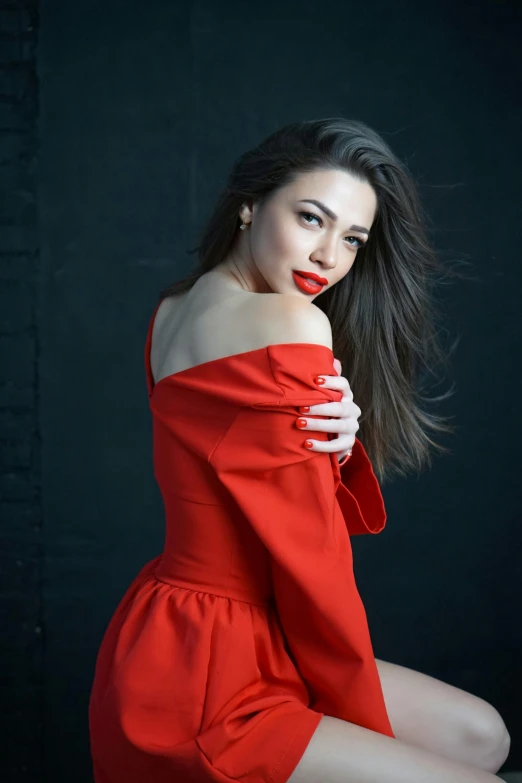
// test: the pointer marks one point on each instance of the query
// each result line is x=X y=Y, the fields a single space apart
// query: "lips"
x=312 y=276
x=307 y=286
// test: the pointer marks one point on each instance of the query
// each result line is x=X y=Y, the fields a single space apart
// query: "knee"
x=487 y=736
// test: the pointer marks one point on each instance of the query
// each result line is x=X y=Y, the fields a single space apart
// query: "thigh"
x=441 y=718
x=342 y=752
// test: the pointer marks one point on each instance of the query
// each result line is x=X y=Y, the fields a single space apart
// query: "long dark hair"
x=382 y=312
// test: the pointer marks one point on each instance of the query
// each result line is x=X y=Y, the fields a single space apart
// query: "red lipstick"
x=313 y=276
x=305 y=281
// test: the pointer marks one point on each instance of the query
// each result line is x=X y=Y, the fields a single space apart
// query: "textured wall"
x=20 y=453
x=134 y=113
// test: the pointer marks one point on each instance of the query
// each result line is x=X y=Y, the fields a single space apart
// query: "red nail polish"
x=301 y=423
x=319 y=380
x=308 y=444
x=304 y=409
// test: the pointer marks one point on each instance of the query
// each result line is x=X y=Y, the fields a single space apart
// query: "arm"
x=287 y=495
x=356 y=485
x=288 y=499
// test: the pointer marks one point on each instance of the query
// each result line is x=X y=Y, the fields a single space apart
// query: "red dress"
x=228 y=647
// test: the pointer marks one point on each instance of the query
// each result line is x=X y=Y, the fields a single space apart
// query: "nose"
x=326 y=257
x=326 y=253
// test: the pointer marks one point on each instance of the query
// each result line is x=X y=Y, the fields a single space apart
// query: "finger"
x=335 y=409
x=340 y=426
x=338 y=382
x=344 y=409
x=342 y=443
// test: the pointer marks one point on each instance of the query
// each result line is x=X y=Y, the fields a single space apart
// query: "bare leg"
x=445 y=720
x=341 y=752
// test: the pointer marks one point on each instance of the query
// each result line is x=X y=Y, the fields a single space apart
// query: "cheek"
x=282 y=241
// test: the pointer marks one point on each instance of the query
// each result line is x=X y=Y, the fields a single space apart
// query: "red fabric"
x=228 y=647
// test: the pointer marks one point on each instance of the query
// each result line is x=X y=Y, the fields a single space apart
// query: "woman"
x=242 y=652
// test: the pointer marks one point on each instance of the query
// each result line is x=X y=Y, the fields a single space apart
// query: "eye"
x=316 y=217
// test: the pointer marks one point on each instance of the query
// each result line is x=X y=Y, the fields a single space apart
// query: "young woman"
x=242 y=652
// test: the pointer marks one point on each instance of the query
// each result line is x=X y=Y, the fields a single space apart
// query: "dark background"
x=118 y=124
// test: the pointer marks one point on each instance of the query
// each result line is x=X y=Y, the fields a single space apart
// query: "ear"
x=245 y=213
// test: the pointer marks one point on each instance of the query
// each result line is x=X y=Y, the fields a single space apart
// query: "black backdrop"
x=119 y=121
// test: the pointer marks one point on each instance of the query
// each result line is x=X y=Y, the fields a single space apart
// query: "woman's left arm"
x=358 y=493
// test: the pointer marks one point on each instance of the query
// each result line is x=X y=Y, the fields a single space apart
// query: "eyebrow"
x=331 y=214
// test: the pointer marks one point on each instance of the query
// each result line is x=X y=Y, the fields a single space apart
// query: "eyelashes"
x=313 y=215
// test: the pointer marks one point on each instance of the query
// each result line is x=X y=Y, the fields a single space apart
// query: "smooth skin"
x=341 y=752
x=441 y=733
x=443 y=719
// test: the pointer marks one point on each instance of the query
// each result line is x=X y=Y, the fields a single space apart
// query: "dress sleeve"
x=358 y=493
x=288 y=496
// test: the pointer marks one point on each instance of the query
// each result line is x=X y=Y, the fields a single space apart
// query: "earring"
x=243 y=226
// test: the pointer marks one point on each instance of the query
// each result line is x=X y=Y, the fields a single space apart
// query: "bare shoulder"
x=289 y=319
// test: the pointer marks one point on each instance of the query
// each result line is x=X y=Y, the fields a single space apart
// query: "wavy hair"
x=382 y=313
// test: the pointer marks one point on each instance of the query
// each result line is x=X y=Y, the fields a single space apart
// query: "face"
x=289 y=234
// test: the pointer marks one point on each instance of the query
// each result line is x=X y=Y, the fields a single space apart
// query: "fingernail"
x=304 y=409
x=308 y=444
x=319 y=380
x=301 y=423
